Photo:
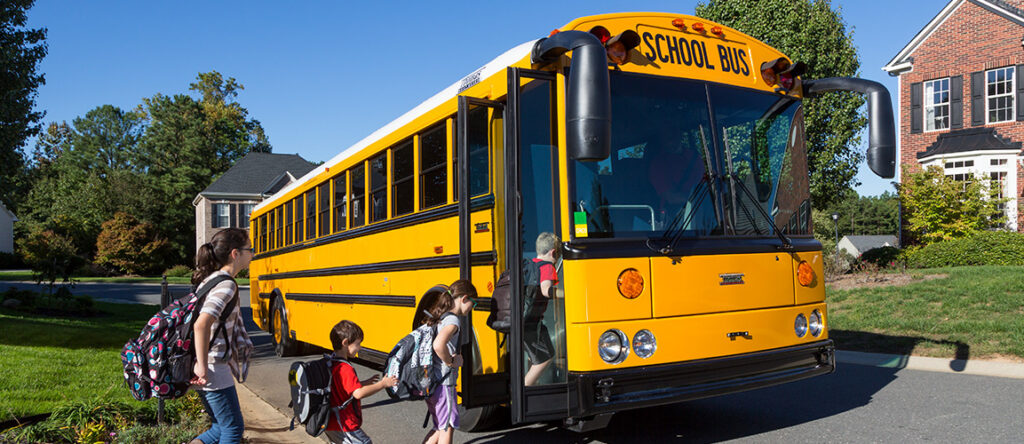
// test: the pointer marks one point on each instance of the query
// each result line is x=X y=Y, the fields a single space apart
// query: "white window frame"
x=217 y=210
x=1011 y=94
x=929 y=104
x=247 y=210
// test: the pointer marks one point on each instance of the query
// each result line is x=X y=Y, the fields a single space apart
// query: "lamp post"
x=835 y=223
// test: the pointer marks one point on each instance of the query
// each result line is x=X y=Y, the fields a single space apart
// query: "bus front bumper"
x=616 y=390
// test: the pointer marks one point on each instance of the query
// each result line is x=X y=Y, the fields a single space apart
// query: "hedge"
x=982 y=248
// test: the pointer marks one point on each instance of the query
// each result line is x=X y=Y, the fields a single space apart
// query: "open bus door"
x=531 y=185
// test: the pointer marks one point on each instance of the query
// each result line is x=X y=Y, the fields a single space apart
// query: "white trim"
x=899 y=64
x=926 y=98
x=1012 y=94
x=500 y=63
x=968 y=154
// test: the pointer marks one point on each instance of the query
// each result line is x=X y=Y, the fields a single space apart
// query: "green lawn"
x=976 y=312
x=45 y=361
x=27 y=276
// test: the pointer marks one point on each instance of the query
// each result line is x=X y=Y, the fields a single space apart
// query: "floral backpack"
x=159 y=362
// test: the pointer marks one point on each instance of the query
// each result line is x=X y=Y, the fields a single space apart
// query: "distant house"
x=229 y=200
x=858 y=245
x=960 y=96
x=7 y=220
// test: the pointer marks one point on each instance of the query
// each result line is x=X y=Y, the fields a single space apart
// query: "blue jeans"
x=225 y=414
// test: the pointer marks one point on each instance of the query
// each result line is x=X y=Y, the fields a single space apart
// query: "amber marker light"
x=680 y=24
x=699 y=27
x=804 y=273
x=631 y=283
x=716 y=30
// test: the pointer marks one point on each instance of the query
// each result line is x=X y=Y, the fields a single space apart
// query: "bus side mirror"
x=588 y=102
x=881 y=129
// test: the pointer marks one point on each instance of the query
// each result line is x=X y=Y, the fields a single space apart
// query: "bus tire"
x=477 y=418
x=284 y=345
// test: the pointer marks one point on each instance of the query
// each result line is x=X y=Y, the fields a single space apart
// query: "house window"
x=999 y=183
x=221 y=215
x=960 y=164
x=936 y=105
x=999 y=89
x=246 y=214
x=996 y=162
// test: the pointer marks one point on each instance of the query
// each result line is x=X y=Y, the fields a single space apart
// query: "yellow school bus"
x=665 y=152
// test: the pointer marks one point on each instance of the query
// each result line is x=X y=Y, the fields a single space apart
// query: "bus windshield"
x=674 y=168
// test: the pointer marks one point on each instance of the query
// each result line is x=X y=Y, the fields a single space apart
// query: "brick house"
x=229 y=200
x=961 y=96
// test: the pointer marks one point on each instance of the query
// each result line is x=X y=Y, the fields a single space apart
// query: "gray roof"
x=258 y=173
x=973 y=139
x=865 y=243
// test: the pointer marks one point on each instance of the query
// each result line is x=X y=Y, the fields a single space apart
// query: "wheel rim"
x=277 y=327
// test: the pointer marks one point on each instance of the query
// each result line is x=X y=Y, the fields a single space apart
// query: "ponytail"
x=217 y=253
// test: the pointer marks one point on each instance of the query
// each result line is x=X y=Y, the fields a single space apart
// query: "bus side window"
x=379 y=187
x=433 y=167
x=358 y=189
x=402 y=179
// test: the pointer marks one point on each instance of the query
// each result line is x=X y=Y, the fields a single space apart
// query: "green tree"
x=868 y=214
x=129 y=246
x=21 y=51
x=810 y=31
x=939 y=208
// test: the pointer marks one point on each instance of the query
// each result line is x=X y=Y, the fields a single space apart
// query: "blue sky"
x=321 y=75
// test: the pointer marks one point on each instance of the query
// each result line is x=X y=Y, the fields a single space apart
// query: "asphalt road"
x=855 y=404
x=122 y=293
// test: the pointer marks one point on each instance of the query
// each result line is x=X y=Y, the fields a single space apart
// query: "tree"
x=50 y=250
x=127 y=245
x=21 y=50
x=937 y=207
x=810 y=31
x=868 y=215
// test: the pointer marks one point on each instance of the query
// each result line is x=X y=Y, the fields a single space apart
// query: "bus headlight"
x=613 y=346
x=815 y=324
x=800 y=325
x=644 y=344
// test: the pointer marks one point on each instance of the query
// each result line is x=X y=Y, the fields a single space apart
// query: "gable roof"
x=256 y=173
x=967 y=140
x=865 y=243
x=902 y=62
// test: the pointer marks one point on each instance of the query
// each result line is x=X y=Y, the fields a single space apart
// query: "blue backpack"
x=412 y=362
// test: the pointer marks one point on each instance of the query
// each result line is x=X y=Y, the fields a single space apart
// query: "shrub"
x=244 y=274
x=130 y=246
x=60 y=303
x=939 y=208
x=881 y=256
x=982 y=248
x=50 y=254
x=10 y=261
x=178 y=271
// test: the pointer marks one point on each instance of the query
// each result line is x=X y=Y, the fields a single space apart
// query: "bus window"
x=401 y=179
x=433 y=164
x=311 y=214
x=379 y=187
x=263 y=233
x=358 y=190
x=479 y=171
x=279 y=236
x=544 y=323
x=340 y=202
x=325 y=208
x=288 y=220
x=299 y=219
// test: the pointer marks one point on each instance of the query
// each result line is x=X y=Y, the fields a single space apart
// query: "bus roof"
x=499 y=63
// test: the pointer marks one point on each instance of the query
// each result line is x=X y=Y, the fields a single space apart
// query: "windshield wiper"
x=675 y=229
x=787 y=244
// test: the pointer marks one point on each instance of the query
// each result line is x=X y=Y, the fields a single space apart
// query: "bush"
x=244 y=274
x=51 y=255
x=61 y=303
x=178 y=271
x=130 y=246
x=10 y=261
x=982 y=248
x=881 y=256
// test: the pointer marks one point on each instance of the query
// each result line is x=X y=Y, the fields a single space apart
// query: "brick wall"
x=971 y=39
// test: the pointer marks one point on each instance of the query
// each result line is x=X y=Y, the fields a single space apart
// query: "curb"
x=956 y=366
x=266 y=424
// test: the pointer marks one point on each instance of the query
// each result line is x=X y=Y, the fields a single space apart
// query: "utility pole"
x=835 y=223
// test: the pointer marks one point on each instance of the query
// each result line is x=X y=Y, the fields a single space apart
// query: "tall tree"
x=810 y=31
x=21 y=50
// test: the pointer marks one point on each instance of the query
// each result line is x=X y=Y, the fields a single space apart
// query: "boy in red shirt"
x=536 y=337
x=345 y=427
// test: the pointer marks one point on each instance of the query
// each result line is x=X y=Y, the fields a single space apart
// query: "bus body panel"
x=689 y=285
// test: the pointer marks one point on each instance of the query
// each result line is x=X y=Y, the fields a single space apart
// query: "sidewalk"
x=265 y=424
x=961 y=366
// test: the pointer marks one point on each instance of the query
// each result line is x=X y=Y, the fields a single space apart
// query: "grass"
x=27 y=276
x=49 y=361
x=976 y=312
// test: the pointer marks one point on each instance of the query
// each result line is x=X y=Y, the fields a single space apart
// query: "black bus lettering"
x=685 y=53
x=657 y=46
x=704 y=52
x=673 y=50
x=723 y=58
x=650 y=48
x=698 y=56
x=743 y=61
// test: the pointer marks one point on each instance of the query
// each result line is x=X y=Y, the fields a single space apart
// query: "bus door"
x=536 y=346
x=479 y=132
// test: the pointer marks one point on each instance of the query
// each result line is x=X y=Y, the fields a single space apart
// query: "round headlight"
x=815 y=324
x=644 y=344
x=613 y=346
x=800 y=325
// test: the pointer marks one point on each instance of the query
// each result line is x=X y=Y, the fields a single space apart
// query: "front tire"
x=477 y=418
x=284 y=345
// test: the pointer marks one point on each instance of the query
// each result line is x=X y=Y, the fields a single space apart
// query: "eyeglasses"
x=251 y=250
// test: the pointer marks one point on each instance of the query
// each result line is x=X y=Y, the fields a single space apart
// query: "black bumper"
x=610 y=391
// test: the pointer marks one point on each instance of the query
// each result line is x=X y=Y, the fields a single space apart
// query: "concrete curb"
x=957 y=366
x=266 y=424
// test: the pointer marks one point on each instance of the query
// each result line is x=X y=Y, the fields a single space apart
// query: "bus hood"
x=691 y=285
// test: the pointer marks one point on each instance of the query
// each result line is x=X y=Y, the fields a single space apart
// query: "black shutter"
x=977 y=98
x=916 y=118
x=956 y=102
x=1020 y=92
x=213 y=219
x=233 y=211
